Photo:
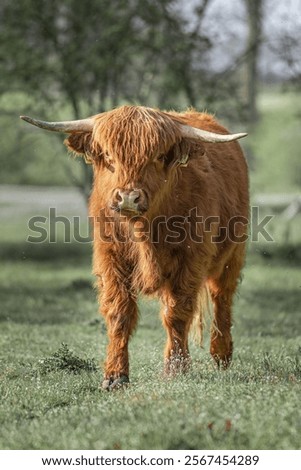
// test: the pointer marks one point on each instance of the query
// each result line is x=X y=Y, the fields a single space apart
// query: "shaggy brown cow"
x=170 y=208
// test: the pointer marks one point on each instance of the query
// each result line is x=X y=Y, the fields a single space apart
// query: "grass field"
x=52 y=341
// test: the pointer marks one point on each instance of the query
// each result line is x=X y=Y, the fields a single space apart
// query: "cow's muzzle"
x=129 y=201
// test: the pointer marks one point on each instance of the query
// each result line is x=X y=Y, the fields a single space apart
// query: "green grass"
x=50 y=397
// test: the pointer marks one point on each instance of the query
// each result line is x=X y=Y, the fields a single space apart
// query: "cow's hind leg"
x=222 y=290
x=177 y=315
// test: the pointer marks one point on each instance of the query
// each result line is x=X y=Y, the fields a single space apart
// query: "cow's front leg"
x=177 y=316
x=120 y=311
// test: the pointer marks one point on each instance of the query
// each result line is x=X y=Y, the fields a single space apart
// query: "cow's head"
x=134 y=151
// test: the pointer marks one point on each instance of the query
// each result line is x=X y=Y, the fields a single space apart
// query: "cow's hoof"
x=221 y=351
x=177 y=364
x=223 y=362
x=114 y=384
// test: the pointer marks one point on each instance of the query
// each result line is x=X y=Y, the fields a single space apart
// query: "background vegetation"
x=73 y=59
x=70 y=59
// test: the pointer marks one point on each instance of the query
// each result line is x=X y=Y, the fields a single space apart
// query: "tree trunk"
x=254 y=12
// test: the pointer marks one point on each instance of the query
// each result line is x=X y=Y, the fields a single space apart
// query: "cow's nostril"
x=128 y=199
x=137 y=198
x=118 y=196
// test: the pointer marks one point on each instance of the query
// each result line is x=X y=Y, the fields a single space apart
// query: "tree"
x=79 y=58
x=254 y=17
x=90 y=54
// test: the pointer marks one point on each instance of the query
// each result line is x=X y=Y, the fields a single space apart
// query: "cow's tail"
x=202 y=316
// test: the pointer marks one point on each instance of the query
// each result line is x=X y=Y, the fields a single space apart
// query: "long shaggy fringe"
x=135 y=133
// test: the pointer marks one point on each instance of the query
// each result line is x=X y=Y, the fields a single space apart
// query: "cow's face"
x=134 y=159
x=134 y=151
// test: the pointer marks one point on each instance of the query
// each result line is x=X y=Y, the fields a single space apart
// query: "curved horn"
x=82 y=125
x=194 y=133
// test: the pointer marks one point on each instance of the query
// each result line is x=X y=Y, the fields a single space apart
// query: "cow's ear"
x=78 y=142
x=179 y=154
x=188 y=150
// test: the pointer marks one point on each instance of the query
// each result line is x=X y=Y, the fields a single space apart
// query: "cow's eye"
x=161 y=158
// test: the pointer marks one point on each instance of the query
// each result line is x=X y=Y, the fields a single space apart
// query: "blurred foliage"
x=93 y=55
x=276 y=141
x=72 y=59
